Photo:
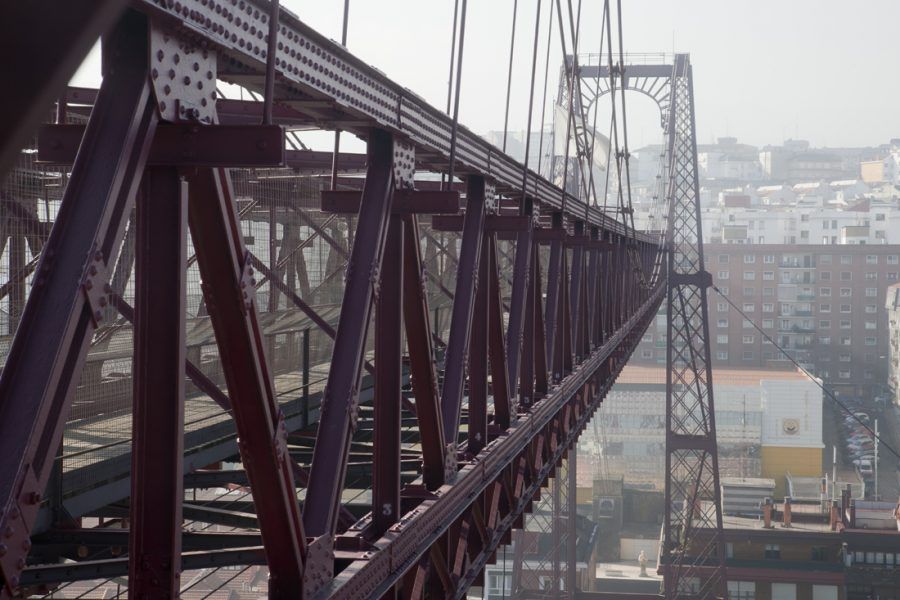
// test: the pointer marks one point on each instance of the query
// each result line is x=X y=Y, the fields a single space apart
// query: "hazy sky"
x=765 y=70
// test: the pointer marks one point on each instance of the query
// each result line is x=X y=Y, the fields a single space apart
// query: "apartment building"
x=892 y=306
x=769 y=423
x=824 y=304
x=806 y=551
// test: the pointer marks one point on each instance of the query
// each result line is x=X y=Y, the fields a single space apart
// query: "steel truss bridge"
x=396 y=368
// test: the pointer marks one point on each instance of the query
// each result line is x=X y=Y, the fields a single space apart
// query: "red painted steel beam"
x=492 y=223
x=183 y=144
x=37 y=385
x=517 y=304
x=341 y=397
x=421 y=359
x=405 y=202
x=226 y=272
x=496 y=344
x=477 y=435
x=464 y=298
x=157 y=454
x=526 y=368
x=388 y=383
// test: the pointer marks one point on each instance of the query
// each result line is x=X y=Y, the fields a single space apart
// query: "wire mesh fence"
x=304 y=252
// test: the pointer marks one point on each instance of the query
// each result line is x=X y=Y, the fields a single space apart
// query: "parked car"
x=865 y=468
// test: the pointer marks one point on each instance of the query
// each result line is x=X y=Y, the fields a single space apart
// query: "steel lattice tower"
x=693 y=555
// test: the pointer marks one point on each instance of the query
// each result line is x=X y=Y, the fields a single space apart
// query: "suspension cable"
x=512 y=46
x=576 y=29
x=626 y=156
x=452 y=56
x=544 y=98
x=597 y=103
x=337 y=132
x=787 y=355
x=462 y=39
x=534 y=55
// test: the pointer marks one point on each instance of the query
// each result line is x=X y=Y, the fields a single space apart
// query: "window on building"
x=749 y=307
x=747 y=339
x=749 y=291
x=722 y=323
x=846 y=292
x=722 y=275
x=871 y=292
x=844 y=374
x=722 y=306
x=749 y=259
x=845 y=324
x=891 y=275
x=723 y=259
x=769 y=259
x=824 y=324
x=871 y=325
x=768 y=291
x=748 y=354
x=845 y=308
x=768 y=307
x=845 y=340
x=871 y=276
x=879 y=234
x=646 y=353
x=724 y=289
x=747 y=324
x=846 y=276
x=722 y=355
x=824 y=308
x=825 y=276
x=870 y=341
x=845 y=259
x=871 y=309
x=768 y=324
x=773 y=551
x=825 y=340
x=871 y=259
x=768 y=275
x=825 y=292
x=749 y=275
x=893 y=259
x=722 y=338
x=825 y=259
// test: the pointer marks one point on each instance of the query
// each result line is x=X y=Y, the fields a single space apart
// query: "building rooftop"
x=797 y=525
x=752 y=482
x=637 y=374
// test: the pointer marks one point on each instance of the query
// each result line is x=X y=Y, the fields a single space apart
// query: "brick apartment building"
x=824 y=304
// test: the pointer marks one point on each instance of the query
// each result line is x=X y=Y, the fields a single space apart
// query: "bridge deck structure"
x=391 y=369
